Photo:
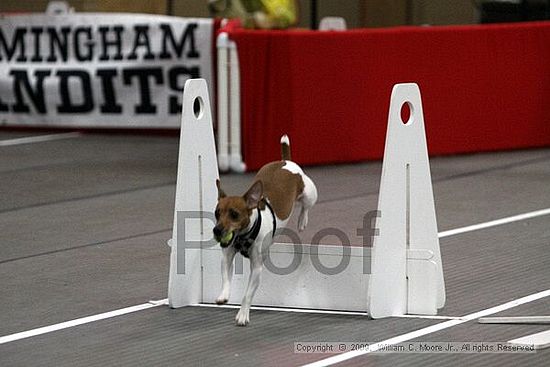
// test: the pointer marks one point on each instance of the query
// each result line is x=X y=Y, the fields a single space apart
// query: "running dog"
x=247 y=223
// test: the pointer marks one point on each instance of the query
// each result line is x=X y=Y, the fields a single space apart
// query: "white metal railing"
x=229 y=106
x=333 y=24
x=229 y=98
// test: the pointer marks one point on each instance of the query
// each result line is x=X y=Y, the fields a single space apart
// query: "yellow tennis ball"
x=228 y=237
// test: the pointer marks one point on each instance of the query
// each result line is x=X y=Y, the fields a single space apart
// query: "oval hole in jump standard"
x=198 y=106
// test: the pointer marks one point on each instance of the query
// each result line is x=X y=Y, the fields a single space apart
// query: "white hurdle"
x=406 y=274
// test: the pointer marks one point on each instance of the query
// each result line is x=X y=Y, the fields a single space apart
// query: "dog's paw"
x=243 y=317
x=221 y=300
x=302 y=221
x=223 y=297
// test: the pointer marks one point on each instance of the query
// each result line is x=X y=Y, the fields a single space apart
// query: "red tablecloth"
x=483 y=88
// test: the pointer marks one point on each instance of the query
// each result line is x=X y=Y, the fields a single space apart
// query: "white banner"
x=100 y=70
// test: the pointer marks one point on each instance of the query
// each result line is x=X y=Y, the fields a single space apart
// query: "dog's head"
x=233 y=212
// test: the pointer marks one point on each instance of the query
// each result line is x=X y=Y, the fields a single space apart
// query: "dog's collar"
x=242 y=242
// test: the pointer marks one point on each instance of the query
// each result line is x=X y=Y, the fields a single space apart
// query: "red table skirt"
x=483 y=88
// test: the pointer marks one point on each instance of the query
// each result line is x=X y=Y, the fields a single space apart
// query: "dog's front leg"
x=227 y=273
x=256 y=265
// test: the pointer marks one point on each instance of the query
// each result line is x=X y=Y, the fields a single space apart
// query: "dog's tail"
x=285 y=148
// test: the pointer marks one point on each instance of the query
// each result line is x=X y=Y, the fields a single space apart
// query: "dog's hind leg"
x=307 y=200
x=227 y=274
x=256 y=266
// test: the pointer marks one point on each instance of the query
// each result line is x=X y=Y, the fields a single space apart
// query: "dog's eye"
x=234 y=214
x=217 y=213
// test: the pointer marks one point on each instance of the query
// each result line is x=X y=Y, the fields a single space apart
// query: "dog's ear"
x=254 y=195
x=221 y=193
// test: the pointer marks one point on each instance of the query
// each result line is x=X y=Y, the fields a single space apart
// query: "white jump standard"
x=406 y=270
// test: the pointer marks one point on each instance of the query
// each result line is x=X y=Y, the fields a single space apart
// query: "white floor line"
x=428 y=330
x=38 y=139
x=287 y=309
x=497 y=222
x=430 y=317
x=64 y=325
x=539 y=340
x=320 y=311
x=76 y=322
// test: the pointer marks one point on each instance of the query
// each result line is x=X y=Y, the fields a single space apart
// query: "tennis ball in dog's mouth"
x=228 y=237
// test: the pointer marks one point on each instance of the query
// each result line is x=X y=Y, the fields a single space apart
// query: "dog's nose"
x=217 y=231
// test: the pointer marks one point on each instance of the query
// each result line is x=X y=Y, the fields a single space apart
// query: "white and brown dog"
x=247 y=223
